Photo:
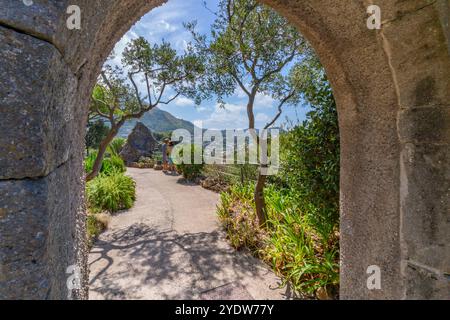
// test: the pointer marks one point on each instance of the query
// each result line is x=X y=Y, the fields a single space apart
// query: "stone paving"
x=169 y=246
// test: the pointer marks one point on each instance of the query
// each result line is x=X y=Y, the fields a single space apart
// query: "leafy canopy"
x=250 y=47
x=165 y=75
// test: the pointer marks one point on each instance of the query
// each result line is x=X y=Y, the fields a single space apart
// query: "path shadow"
x=168 y=265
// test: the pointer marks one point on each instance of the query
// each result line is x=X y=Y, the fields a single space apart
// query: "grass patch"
x=111 y=164
x=111 y=193
x=290 y=244
x=96 y=223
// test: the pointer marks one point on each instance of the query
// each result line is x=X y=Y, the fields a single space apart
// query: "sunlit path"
x=169 y=246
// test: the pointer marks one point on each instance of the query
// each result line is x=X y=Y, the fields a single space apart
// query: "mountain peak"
x=157 y=120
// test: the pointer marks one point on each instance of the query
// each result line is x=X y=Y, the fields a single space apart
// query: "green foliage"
x=237 y=215
x=250 y=47
x=111 y=193
x=301 y=240
x=96 y=223
x=295 y=248
x=226 y=175
x=116 y=146
x=89 y=161
x=110 y=165
x=290 y=244
x=310 y=152
x=116 y=97
x=189 y=169
x=96 y=132
x=92 y=227
x=161 y=66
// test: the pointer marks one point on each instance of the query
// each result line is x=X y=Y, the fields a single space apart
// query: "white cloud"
x=231 y=117
x=234 y=116
x=263 y=101
x=198 y=123
x=201 y=108
x=262 y=117
x=184 y=102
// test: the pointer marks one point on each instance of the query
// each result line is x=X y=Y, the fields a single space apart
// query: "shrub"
x=116 y=146
x=295 y=248
x=310 y=152
x=237 y=215
x=96 y=132
x=290 y=244
x=111 y=164
x=190 y=171
x=89 y=161
x=96 y=223
x=111 y=193
x=147 y=162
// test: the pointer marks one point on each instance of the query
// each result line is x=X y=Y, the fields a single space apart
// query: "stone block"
x=36 y=107
x=424 y=284
x=424 y=125
x=416 y=40
x=425 y=203
x=41 y=234
x=39 y=19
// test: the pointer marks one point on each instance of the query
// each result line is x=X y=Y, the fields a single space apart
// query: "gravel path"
x=169 y=246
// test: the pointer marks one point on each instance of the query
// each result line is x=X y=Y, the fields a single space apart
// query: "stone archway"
x=392 y=87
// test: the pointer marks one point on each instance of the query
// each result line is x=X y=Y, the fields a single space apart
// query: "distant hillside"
x=157 y=120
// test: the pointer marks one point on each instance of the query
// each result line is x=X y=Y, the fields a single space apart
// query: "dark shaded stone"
x=424 y=125
x=37 y=127
x=42 y=233
x=140 y=143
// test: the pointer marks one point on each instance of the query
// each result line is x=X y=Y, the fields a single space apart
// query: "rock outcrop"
x=141 y=143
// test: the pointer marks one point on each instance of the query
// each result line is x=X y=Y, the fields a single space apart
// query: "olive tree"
x=164 y=75
x=251 y=48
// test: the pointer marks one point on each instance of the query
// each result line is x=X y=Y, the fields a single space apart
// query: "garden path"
x=169 y=246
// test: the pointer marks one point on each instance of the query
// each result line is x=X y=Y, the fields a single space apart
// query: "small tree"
x=96 y=132
x=165 y=75
x=250 y=48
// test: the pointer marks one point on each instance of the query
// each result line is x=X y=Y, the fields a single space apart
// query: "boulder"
x=140 y=143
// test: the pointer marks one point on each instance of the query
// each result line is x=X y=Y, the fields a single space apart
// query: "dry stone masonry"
x=392 y=87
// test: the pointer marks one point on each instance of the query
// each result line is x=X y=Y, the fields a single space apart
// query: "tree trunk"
x=260 y=203
x=101 y=153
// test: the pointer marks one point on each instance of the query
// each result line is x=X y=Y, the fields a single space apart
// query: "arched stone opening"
x=392 y=87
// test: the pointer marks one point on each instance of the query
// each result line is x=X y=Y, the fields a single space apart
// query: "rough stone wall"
x=42 y=229
x=392 y=87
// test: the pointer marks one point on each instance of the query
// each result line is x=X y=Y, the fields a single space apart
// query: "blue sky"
x=166 y=22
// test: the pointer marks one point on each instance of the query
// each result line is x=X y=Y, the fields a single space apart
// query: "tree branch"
x=241 y=84
x=170 y=100
x=97 y=109
x=279 y=68
x=105 y=78
x=148 y=90
x=136 y=91
x=280 y=110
